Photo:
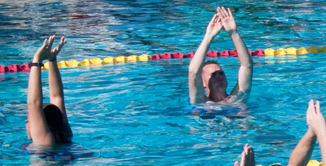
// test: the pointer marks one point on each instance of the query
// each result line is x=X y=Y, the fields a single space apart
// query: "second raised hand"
x=315 y=119
x=227 y=20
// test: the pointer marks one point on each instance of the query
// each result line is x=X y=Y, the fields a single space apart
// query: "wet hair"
x=210 y=62
x=214 y=84
x=54 y=120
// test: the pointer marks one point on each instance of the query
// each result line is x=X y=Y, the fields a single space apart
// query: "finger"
x=230 y=13
x=245 y=148
x=220 y=12
x=45 y=43
x=308 y=116
x=51 y=39
x=62 y=42
x=251 y=156
x=219 y=19
x=243 y=156
x=311 y=107
x=236 y=163
x=212 y=20
x=318 y=107
x=224 y=11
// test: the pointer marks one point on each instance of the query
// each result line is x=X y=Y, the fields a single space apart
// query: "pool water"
x=139 y=113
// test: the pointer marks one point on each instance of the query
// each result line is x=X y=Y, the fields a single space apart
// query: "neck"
x=218 y=96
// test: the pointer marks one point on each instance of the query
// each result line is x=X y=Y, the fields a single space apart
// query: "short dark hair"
x=210 y=62
x=54 y=120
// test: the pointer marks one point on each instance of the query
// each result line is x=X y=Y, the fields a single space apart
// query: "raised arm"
x=246 y=63
x=316 y=122
x=38 y=128
x=302 y=152
x=196 y=89
x=56 y=87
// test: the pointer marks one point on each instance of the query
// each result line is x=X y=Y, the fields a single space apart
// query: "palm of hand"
x=214 y=28
x=229 y=24
x=43 y=53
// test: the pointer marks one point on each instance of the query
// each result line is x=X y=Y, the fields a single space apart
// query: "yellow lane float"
x=45 y=66
x=323 y=49
x=109 y=60
x=314 y=163
x=302 y=50
x=269 y=52
x=86 y=62
x=313 y=49
x=97 y=61
x=121 y=59
x=132 y=58
x=280 y=51
x=73 y=63
x=291 y=51
x=145 y=57
x=63 y=64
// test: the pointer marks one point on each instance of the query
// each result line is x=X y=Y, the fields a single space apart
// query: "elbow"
x=248 y=66
x=193 y=73
x=33 y=103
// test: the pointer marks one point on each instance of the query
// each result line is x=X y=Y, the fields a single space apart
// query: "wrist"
x=37 y=60
x=310 y=133
x=208 y=37
x=321 y=133
x=233 y=32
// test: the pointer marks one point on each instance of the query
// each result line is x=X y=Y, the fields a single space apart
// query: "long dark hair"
x=54 y=119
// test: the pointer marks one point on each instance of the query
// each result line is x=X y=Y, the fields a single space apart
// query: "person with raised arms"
x=47 y=123
x=209 y=76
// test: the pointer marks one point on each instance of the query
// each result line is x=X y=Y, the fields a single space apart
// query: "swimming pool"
x=139 y=113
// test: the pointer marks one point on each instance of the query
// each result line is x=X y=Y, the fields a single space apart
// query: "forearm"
x=243 y=54
x=56 y=88
x=34 y=97
x=197 y=61
x=55 y=82
x=322 y=145
x=302 y=152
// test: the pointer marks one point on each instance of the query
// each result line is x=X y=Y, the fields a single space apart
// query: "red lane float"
x=213 y=54
x=156 y=57
x=259 y=52
x=14 y=68
x=178 y=55
x=225 y=53
x=25 y=67
x=190 y=55
x=3 y=69
x=234 y=53
x=167 y=56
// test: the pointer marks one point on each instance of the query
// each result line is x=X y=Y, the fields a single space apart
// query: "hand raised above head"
x=227 y=20
x=214 y=26
x=56 y=50
x=315 y=119
x=45 y=52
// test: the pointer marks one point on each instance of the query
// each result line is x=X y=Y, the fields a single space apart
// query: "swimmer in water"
x=317 y=130
x=209 y=76
x=47 y=123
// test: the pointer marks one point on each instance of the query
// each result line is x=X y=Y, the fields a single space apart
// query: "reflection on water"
x=102 y=28
x=138 y=114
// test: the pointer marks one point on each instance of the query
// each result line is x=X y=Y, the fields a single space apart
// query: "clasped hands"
x=315 y=119
x=222 y=19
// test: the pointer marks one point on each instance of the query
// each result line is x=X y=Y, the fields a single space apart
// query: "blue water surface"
x=139 y=113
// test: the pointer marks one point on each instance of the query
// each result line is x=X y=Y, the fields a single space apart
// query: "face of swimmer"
x=214 y=79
